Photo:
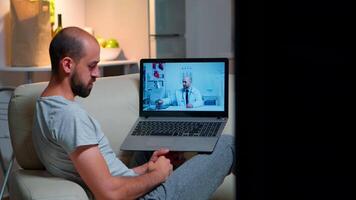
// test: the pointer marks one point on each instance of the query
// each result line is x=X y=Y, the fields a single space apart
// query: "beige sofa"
x=114 y=103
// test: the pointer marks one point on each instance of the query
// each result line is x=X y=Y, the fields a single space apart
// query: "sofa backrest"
x=113 y=102
x=20 y=115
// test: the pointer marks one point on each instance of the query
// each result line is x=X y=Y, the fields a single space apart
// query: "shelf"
x=47 y=68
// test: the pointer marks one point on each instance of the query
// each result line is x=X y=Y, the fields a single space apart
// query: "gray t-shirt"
x=60 y=126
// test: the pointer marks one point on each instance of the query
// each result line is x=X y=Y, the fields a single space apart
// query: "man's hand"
x=158 y=153
x=162 y=168
x=189 y=105
x=142 y=169
x=176 y=158
x=159 y=102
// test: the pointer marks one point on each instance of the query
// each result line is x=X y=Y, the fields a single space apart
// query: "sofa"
x=114 y=103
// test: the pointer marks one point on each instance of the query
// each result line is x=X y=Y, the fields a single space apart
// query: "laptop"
x=183 y=105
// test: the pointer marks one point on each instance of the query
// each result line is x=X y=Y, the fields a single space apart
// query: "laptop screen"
x=184 y=87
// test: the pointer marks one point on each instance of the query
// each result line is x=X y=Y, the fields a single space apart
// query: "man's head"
x=187 y=81
x=74 y=55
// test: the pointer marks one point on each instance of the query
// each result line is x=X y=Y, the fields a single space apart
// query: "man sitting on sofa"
x=71 y=145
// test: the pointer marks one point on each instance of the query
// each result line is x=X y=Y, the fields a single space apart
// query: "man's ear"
x=67 y=64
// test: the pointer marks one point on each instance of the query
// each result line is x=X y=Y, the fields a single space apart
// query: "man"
x=71 y=145
x=188 y=96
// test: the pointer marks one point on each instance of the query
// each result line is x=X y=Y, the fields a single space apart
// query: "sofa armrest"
x=39 y=184
x=227 y=190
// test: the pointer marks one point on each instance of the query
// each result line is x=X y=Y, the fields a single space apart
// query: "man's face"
x=86 y=70
x=186 y=82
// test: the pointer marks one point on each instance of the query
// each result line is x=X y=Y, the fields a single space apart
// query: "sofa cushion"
x=38 y=184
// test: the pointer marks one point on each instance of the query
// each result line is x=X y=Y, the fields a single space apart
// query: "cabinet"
x=167 y=28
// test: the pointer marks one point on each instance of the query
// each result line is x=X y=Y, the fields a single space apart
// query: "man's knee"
x=227 y=144
x=227 y=140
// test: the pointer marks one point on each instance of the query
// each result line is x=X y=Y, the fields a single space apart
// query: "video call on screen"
x=165 y=81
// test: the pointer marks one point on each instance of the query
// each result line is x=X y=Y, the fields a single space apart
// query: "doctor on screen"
x=188 y=96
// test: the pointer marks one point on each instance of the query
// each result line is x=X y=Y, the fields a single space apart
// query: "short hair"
x=66 y=43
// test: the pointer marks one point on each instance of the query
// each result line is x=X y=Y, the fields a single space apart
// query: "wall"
x=126 y=20
x=209 y=28
x=73 y=12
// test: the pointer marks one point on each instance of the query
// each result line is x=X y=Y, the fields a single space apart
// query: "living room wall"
x=209 y=28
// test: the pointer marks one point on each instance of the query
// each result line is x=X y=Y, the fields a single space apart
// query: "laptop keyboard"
x=169 y=128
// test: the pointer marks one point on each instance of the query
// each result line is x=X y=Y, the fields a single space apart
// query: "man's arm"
x=164 y=101
x=94 y=171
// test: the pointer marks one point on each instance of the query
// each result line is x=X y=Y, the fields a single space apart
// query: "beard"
x=78 y=87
